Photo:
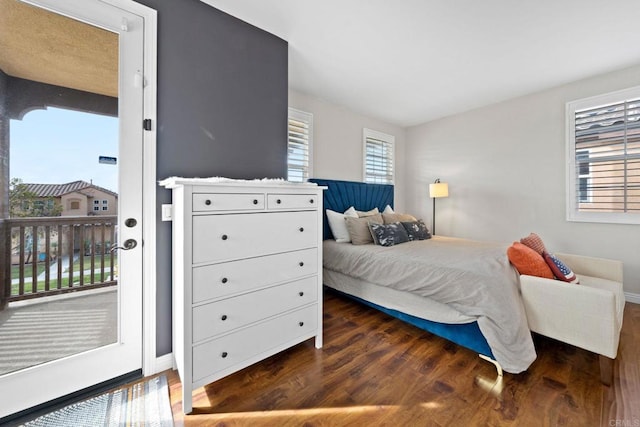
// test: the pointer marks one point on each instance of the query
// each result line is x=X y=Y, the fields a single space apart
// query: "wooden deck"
x=40 y=330
x=375 y=370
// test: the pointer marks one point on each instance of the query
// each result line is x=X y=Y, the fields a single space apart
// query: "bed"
x=497 y=331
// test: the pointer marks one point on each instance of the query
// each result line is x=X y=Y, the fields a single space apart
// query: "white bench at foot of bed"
x=588 y=315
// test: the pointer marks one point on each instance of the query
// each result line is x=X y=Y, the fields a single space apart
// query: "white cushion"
x=588 y=315
x=338 y=225
x=388 y=210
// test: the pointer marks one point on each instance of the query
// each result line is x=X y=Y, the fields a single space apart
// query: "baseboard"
x=163 y=363
x=631 y=297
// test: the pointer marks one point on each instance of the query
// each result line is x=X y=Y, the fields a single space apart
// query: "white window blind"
x=378 y=157
x=604 y=158
x=299 y=145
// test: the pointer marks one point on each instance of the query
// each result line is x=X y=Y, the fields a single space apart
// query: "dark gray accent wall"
x=222 y=111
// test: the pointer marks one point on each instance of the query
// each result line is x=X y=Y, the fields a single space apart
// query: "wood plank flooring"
x=378 y=371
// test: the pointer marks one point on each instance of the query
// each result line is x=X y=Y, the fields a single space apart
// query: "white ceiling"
x=411 y=61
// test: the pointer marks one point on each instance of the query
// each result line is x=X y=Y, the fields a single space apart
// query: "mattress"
x=396 y=300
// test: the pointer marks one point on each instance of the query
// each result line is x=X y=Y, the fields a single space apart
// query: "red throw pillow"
x=534 y=242
x=527 y=261
x=560 y=269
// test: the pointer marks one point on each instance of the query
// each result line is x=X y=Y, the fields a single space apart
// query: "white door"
x=43 y=382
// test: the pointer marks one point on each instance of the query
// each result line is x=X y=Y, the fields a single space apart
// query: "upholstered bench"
x=587 y=315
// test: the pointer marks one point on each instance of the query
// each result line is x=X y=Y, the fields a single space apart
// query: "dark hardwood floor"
x=378 y=371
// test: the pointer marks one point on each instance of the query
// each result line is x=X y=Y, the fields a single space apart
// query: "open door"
x=73 y=261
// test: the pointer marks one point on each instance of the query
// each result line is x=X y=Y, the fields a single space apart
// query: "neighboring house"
x=73 y=199
x=77 y=198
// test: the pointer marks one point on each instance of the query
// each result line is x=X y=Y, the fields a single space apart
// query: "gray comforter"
x=474 y=278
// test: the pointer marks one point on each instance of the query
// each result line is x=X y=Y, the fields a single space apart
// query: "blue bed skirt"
x=465 y=334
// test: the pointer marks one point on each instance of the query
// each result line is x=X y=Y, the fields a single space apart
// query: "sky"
x=56 y=146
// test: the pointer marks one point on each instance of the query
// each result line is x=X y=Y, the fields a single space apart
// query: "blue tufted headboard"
x=340 y=195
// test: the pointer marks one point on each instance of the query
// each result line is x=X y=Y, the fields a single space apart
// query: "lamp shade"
x=438 y=189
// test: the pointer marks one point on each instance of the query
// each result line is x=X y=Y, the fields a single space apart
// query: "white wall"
x=505 y=165
x=337 y=141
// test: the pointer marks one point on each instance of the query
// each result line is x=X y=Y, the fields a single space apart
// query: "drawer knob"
x=255 y=201
x=224 y=280
x=207 y=202
x=311 y=201
x=301 y=264
x=225 y=237
x=301 y=293
x=301 y=229
x=301 y=324
x=278 y=201
x=224 y=317
x=224 y=354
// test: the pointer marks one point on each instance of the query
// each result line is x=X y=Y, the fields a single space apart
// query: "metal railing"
x=52 y=255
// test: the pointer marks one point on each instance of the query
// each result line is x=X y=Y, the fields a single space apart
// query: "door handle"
x=127 y=245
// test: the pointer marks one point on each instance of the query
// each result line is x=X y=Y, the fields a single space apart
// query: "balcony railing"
x=53 y=255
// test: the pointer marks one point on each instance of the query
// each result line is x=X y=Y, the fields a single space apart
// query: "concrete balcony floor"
x=43 y=329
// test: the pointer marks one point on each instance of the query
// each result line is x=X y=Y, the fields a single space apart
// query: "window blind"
x=607 y=158
x=378 y=154
x=299 y=145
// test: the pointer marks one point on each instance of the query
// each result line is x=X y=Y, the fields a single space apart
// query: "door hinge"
x=146 y=124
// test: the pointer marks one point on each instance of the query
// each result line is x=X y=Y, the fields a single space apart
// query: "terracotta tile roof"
x=57 y=190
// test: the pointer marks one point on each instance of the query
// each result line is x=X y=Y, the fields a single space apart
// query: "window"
x=603 y=146
x=74 y=204
x=299 y=146
x=582 y=161
x=96 y=208
x=378 y=157
x=96 y=202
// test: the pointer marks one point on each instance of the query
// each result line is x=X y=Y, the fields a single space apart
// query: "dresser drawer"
x=227 y=237
x=238 y=347
x=203 y=202
x=219 y=280
x=226 y=315
x=292 y=201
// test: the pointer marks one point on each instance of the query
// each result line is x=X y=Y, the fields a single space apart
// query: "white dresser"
x=247 y=274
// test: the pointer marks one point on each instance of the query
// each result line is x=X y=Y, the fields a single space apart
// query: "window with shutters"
x=378 y=157
x=603 y=145
x=299 y=147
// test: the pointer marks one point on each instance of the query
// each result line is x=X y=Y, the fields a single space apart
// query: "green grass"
x=53 y=283
x=53 y=279
x=87 y=262
x=28 y=272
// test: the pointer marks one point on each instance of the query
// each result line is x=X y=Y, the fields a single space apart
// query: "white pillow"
x=388 y=210
x=338 y=224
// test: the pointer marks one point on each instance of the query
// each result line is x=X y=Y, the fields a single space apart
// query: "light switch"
x=167 y=212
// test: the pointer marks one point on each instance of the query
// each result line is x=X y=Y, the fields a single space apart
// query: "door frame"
x=150 y=16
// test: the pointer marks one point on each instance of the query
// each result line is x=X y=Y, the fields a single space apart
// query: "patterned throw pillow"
x=534 y=242
x=388 y=234
x=527 y=261
x=417 y=230
x=560 y=269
